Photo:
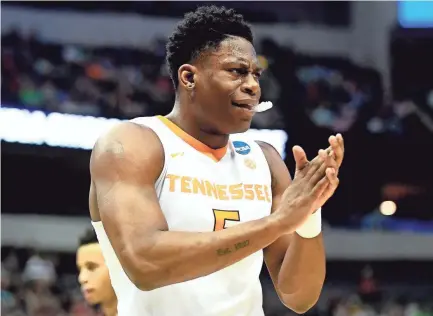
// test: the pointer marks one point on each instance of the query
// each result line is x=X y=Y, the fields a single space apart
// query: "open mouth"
x=244 y=106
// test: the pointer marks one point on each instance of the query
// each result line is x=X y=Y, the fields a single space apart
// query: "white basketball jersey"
x=202 y=190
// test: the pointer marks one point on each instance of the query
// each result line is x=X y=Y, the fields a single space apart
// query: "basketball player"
x=183 y=206
x=93 y=275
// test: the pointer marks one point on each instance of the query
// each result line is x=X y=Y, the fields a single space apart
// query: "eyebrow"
x=241 y=60
x=88 y=262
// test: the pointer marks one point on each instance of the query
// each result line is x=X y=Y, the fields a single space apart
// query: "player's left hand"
x=336 y=151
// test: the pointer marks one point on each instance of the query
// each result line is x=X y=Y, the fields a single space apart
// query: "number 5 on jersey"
x=222 y=216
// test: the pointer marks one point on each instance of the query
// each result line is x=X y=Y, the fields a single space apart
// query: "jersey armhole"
x=257 y=142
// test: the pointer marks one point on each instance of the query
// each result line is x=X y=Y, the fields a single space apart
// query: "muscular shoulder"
x=279 y=172
x=125 y=150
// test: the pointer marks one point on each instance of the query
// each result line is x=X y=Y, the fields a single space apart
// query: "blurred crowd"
x=33 y=288
x=74 y=79
x=124 y=82
x=37 y=284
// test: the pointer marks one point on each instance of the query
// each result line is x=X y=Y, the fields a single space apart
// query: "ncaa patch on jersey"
x=241 y=147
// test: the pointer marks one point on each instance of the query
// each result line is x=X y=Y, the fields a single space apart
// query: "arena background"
x=365 y=69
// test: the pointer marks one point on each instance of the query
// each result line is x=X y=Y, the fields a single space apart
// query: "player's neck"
x=110 y=308
x=190 y=126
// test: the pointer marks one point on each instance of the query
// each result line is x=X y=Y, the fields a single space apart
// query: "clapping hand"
x=333 y=157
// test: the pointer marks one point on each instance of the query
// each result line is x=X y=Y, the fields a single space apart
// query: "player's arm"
x=296 y=265
x=125 y=165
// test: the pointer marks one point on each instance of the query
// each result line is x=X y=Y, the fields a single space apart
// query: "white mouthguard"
x=263 y=106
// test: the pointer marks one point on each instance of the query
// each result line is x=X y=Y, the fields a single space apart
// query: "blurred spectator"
x=368 y=288
x=29 y=94
x=8 y=302
x=40 y=271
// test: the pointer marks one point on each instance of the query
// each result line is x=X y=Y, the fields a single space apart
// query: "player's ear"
x=186 y=75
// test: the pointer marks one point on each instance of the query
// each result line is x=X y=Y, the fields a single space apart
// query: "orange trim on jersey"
x=215 y=154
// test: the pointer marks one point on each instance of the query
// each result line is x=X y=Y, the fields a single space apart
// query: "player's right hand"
x=310 y=181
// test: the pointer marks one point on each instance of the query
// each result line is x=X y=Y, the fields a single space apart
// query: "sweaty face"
x=93 y=275
x=227 y=86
